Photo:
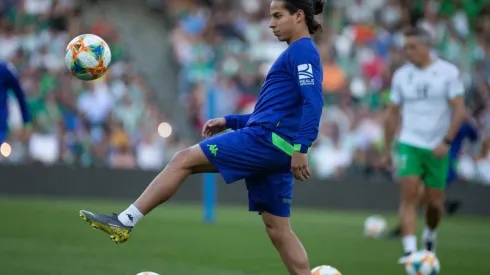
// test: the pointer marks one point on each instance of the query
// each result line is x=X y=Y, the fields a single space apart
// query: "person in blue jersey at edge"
x=268 y=148
x=467 y=131
x=10 y=83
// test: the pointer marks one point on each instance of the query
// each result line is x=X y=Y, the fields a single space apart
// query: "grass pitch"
x=47 y=237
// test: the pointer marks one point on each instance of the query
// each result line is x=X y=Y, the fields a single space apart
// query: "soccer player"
x=428 y=94
x=10 y=82
x=268 y=147
x=467 y=131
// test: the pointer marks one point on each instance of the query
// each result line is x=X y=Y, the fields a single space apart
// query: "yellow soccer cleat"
x=118 y=232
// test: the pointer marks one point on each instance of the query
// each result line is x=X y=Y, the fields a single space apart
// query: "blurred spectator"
x=361 y=47
x=338 y=151
x=227 y=47
x=334 y=78
x=96 y=102
x=85 y=123
x=150 y=153
x=119 y=143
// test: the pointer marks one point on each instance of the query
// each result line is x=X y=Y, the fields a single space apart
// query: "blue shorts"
x=250 y=154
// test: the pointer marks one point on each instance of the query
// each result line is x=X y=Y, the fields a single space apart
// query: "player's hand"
x=299 y=166
x=213 y=126
x=441 y=150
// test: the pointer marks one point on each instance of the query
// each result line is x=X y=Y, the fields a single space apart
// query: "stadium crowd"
x=74 y=122
x=227 y=46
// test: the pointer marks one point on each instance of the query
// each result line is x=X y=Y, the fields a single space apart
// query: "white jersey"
x=423 y=95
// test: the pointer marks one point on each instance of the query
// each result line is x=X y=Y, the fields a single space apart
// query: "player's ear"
x=299 y=15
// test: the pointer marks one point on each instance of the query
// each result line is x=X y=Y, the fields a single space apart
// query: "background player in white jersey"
x=428 y=94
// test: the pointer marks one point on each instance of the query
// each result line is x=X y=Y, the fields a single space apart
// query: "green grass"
x=48 y=237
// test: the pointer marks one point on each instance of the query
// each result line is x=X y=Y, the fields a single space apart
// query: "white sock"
x=429 y=234
x=130 y=216
x=409 y=244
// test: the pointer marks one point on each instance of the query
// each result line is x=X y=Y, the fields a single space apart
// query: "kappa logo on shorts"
x=287 y=201
x=213 y=149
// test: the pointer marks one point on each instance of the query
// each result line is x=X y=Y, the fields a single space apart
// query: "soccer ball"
x=147 y=273
x=88 y=57
x=422 y=263
x=325 y=270
x=374 y=226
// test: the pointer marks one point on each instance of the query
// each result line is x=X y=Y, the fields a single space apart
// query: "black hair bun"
x=318 y=6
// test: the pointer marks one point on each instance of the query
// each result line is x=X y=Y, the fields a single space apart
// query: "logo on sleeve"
x=305 y=75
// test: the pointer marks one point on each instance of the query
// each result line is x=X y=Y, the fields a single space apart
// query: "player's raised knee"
x=183 y=159
x=191 y=158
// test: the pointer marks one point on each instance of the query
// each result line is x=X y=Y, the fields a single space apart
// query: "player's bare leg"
x=397 y=231
x=410 y=196
x=434 y=199
x=292 y=252
x=162 y=188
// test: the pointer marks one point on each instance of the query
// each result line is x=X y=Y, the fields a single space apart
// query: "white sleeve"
x=455 y=86
x=396 y=93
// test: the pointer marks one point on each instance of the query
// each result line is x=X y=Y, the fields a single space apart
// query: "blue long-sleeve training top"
x=291 y=100
x=10 y=82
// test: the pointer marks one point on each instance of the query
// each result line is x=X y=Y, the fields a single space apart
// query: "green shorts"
x=414 y=161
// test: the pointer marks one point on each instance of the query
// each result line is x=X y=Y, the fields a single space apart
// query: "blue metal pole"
x=209 y=187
